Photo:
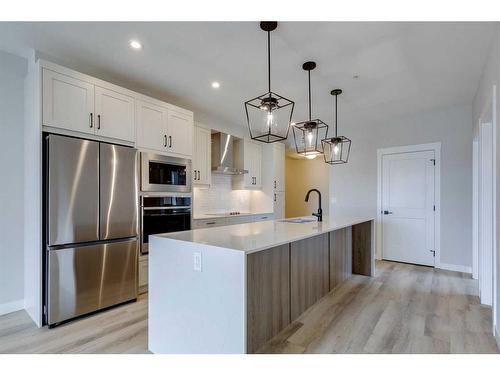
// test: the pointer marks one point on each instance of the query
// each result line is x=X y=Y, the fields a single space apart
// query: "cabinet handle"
x=275 y=197
x=165 y=140
x=98 y=122
x=170 y=141
x=211 y=223
x=195 y=174
x=91 y=120
x=199 y=178
x=275 y=184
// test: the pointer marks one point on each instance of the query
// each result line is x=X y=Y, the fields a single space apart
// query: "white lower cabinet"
x=279 y=205
x=143 y=274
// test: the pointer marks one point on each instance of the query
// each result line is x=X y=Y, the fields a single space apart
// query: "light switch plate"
x=197 y=261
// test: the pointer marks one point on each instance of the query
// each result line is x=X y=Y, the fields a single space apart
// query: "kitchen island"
x=230 y=289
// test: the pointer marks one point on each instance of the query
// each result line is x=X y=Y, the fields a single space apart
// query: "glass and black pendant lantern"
x=337 y=148
x=269 y=115
x=308 y=134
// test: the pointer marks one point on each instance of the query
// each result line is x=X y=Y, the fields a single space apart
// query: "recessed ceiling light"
x=135 y=44
x=215 y=85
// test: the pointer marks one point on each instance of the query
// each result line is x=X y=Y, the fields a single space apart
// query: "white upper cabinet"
x=248 y=155
x=114 y=114
x=202 y=164
x=151 y=126
x=68 y=103
x=165 y=130
x=279 y=166
x=75 y=102
x=180 y=133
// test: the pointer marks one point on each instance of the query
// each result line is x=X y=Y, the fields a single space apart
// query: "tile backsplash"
x=221 y=197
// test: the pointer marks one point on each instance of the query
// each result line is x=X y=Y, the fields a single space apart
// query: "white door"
x=151 y=126
x=279 y=205
x=486 y=213
x=180 y=133
x=115 y=114
x=408 y=207
x=68 y=103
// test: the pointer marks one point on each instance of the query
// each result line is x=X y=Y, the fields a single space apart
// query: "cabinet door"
x=151 y=126
x=279 y=205
x=180 y=133
x=279 y=167
x=257 y=164
x=340 y=256
x=202 y=156
x=268 y=295
x=115 y=114
x=309 y=267
x=68 y=103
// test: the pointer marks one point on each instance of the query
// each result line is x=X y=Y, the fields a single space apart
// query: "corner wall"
x=12 y=72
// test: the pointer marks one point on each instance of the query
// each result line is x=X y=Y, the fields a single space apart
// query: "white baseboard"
x=9 y=307
x=454 y=267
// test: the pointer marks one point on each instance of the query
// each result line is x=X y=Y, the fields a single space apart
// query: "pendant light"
x=308 y=134
x=269 y=115
x=337 y=148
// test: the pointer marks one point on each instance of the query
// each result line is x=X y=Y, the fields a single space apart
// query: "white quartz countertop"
x=201 y=216
x=252 y=237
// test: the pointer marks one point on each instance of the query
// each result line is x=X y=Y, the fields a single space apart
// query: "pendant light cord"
x=269 y=61
x=309 y=74
x=336 y=107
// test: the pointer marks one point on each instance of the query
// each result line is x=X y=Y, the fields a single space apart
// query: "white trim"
x=495 y=275
x=496 y=333
x=436 y=147
x=6 y=308
x=454 y=267
x=475 y=208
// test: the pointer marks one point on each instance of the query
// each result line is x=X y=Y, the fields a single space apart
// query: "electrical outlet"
x=197 y=261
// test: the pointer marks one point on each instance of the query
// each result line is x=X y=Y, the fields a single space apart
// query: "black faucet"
x=319 y=215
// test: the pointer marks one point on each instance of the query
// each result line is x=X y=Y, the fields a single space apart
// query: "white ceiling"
x=402 y=67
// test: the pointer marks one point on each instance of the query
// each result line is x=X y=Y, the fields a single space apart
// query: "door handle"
x=91 y=120
x=170 y=141
x=387 y=212
x=98 y=121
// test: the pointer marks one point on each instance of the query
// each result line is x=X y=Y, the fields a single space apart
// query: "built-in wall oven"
x=161 y=173
x=164 y=214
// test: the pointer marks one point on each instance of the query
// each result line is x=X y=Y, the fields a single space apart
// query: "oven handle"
x=165 y=208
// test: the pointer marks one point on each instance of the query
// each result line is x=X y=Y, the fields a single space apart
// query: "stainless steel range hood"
x=222 y=155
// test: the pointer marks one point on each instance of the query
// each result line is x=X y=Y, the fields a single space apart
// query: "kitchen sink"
x=299 y=220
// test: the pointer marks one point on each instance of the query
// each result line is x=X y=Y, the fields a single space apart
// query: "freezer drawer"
x=89 y=278
x=73 y=190
x=119 y=191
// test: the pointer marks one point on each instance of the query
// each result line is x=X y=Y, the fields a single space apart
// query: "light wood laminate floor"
x=404 y=309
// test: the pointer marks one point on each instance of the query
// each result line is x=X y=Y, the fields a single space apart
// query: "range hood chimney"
x=222 y=155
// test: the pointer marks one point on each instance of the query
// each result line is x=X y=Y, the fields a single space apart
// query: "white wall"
x=12 y=72
x=490 y=77
x=354 y=185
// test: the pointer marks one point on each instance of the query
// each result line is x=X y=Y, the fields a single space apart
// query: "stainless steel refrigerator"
x=91 y=215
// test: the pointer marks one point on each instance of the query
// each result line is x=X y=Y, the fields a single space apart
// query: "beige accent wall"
x=300 y=176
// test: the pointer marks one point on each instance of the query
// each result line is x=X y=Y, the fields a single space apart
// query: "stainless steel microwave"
x=165 y=173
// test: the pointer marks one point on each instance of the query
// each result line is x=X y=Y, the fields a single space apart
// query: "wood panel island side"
x=231 y=289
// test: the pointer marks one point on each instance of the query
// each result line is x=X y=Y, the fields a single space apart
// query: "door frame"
x=436 y=147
